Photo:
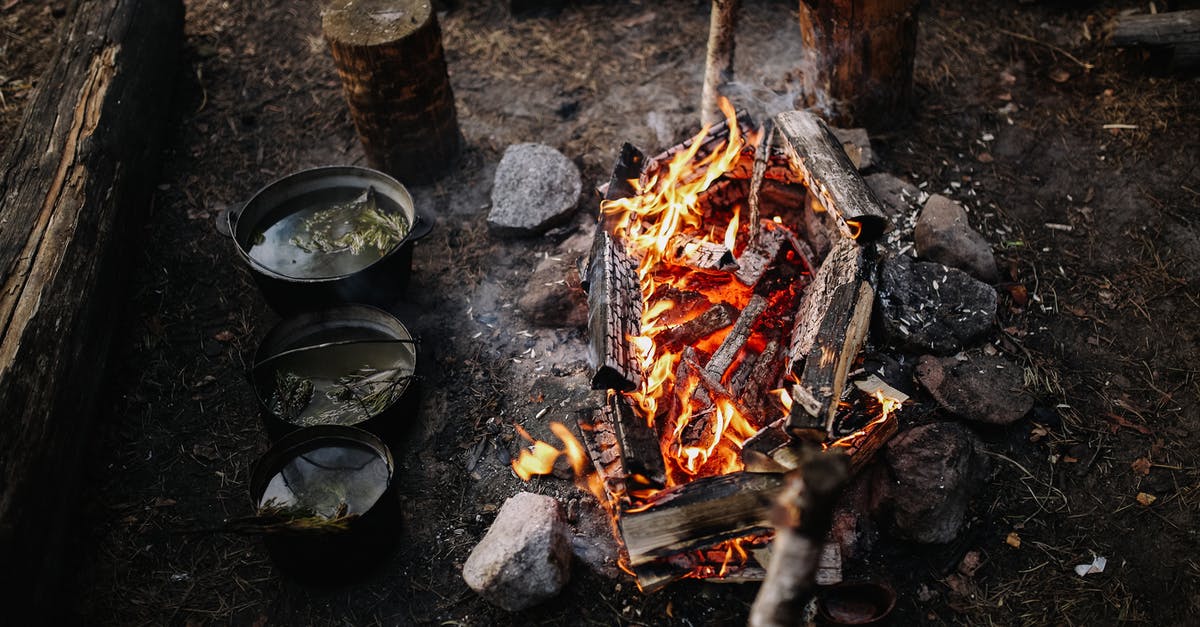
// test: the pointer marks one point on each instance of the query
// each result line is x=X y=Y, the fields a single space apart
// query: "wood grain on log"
x=718 y=64
x=860 y=54
x=723 y=357
x=614 y=315
x=717 y=317
x=1178 y=31
x=828 y=173
x=75 y=185
x=393 y=69
x=640 y=452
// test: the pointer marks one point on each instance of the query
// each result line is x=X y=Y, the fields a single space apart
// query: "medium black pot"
x=324 y=345
x=313 y=469
x=381 y=282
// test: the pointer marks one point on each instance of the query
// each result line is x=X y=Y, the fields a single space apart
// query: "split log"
x=717 y=317
x=1176 y=31
x=627 y=168
x=830 y=327
x=861 y=57
x=764 y=377
x=393 y=69
x=700 y=254
x=862 y=446
x=640 y=453
x=761 y=253
x=830 y=175
x=717 y=135
x=718 y=62
x=802 y=515
x=723 y=357
x=599 y=434
x=75 y=190
x=699 y=514
x=614 y=315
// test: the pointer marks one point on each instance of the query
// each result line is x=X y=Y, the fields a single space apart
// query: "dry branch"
x=718 y=65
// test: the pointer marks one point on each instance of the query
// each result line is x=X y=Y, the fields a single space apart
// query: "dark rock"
x=553 y=297
x=857 y=144
x=898 y=196
x=983 y=388
x=925 y=307
x=535 y=188
x=944 y=235
x=934 y=470
x=525 y=557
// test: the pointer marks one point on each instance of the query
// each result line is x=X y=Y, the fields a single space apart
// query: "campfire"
x=729 y=298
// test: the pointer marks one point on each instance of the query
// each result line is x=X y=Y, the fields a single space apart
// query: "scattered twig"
x=1083 y=64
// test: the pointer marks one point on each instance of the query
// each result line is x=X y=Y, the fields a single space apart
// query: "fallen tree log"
x=75 y=185
x=1177 y=31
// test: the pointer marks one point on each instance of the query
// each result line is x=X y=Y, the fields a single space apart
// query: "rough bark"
x=393 y=69
x=75 y=186
x=614 y=315
x=1177 y=31
x=718 y=67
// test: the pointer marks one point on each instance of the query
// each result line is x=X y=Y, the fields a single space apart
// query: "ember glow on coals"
x=684 y=395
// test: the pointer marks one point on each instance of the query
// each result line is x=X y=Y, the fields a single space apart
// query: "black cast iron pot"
x=293 y=279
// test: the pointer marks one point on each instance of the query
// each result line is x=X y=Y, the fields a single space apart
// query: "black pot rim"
x=269 y=463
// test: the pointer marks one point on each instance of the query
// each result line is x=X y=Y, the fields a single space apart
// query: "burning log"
x=717 y=317
x=718 y=66
x=640 y=453
x=831 y=325
x=737 y=337
x=76 y=190
x=802 y=515
x=760 y=255
x=716 y=136
x=756 y=179
x=861 y=57
x=393 y=71
x=598 y=431
x=830 y=175
x=722 y=195
x=614 y=315
x=699 y=514
x=764 y=376
x=699 y=254
x=627 y=168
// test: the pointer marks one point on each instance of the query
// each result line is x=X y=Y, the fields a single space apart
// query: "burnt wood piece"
x=1178 y=31
x=75 y=191
x=863 y=446
x=627 y=168
x=831 y=324
x=717 y=317
x=699 y=514
x=765 y=142
x=858 y=56
x=686 y=304
x=802 y=515
x=778 y=167
x=389 y=56
x=614 y=315
x=764 y=377
x=716 y=137
x=721 y=196
x=725 y=354
x=715 y=389
x=829 y=175
x=718 y=62
x=640 y=452
x=700 y=254
x=760 y=254
x=598 y=431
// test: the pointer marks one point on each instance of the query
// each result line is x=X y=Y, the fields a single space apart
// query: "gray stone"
x=944 y=235
x=898 y=196
x=552 y=297
x=535 y=188
x=934 y=470
x=525 y=557
x=857 y=144
x=983 y=388
x=925 y=307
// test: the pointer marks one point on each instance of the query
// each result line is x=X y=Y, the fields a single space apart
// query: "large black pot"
x=380 y=282
x=322 y=473
x=326 y=345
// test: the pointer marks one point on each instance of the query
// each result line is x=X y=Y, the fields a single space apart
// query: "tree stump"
x=858 y=59
x=393 y=69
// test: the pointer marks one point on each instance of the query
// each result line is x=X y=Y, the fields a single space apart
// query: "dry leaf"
x=1038 y=433
x=985 y=157
x=224 y=336
x=1060 y=76
x=1146 y=499
x=1013 y=540
x=1141 y=466
x=1019 y=294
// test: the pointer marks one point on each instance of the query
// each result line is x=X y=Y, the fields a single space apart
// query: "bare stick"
x=718 y=67
x=756 y=180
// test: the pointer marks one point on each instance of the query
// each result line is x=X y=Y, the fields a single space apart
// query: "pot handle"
x=227 y=218
x=421 y=227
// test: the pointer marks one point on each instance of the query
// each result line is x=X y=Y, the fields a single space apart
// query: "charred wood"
x=830 y=175
x=738 y=336
x=640 y=452
x=700 y=254
x=614 y=315
x=717 y=317
x=756 y=179
x=1177 y=31
x=760 y=254
x=716 y=137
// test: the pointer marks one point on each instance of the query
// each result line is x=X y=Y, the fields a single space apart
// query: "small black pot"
x=379 y=283
x=312 y=468
x=313 y=344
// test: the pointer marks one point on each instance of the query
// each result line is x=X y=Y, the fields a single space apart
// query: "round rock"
x=525 y=557
x=535 y=189
x=943 y=235
x=934 y=471
x=983 y=388
x=925 y=307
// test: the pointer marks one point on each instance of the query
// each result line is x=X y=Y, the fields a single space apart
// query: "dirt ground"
x=1097 y=231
